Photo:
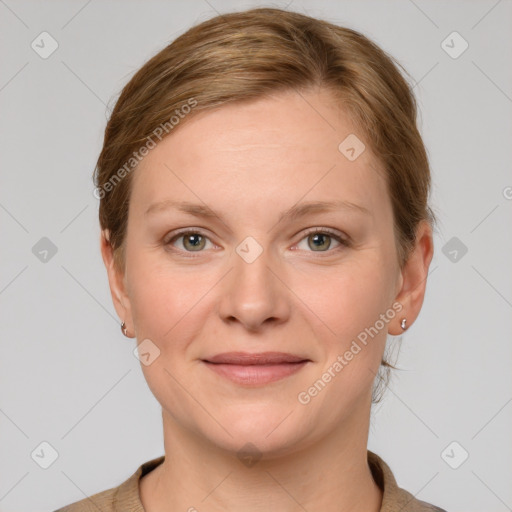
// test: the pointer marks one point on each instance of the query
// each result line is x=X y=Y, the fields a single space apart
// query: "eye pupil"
x=320 y=237
x=194 y=239
x=318 y=241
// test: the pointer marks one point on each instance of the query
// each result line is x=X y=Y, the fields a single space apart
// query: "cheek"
x=350 y=298
x=352 y=336
x=163 y=304
x=345 y=315
x=161 y=298
x=167 y=309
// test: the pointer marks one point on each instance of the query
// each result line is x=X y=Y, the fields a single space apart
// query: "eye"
x=320 y=240
x=192 y=241
x=317 y=240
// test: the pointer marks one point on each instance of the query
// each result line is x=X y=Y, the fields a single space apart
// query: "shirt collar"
x=394 y=498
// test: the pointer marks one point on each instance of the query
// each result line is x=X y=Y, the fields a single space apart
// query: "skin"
x=249 y=163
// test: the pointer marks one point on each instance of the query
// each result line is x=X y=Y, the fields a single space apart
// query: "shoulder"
x=394 y=498
x=102 y=501
x=116 y=499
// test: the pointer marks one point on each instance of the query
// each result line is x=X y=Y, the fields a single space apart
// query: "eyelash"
x=322 y=230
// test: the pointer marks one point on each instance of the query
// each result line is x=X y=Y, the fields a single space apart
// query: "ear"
x=116 y=280
x=413 y=279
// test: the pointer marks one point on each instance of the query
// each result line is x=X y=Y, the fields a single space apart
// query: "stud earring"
x=403 y=324
x=124 y=330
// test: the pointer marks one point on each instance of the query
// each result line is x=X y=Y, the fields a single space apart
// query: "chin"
x=268 y=435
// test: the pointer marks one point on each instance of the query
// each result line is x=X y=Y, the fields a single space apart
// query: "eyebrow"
x=296 y=211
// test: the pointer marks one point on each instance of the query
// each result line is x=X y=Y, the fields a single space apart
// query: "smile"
x=255 y=374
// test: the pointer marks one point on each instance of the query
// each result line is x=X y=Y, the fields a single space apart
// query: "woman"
x=265 y=225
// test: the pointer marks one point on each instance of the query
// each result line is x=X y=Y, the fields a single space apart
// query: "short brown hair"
x=247 y=55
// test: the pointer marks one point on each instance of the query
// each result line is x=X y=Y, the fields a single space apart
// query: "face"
x=223 y=255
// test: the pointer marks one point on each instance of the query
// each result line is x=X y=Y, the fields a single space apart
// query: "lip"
x=259 y=358
x=255 y=369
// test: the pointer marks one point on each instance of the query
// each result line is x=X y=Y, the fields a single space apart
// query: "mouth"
x=255 y=369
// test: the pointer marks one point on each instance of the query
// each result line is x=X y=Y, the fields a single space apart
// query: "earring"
x=124 y=330
x=403 y=324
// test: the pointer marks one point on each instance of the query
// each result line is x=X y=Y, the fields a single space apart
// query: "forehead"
x=268 y=152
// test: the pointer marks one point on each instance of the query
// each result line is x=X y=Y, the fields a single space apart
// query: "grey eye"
x=320 y=241
x=193 y=241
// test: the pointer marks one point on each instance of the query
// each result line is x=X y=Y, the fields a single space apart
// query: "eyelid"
x=329 y=231
x=168 y=240
x=344 y=240
x=184 y=231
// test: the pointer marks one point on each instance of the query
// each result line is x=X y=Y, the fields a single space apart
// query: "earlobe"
x=414 y=280
x=116 y=281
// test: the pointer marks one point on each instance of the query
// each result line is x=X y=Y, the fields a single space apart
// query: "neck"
x=331 y=474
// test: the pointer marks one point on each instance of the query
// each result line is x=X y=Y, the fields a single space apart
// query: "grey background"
x=67 y=374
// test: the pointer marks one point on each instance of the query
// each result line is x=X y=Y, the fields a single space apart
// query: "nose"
x=254 y=294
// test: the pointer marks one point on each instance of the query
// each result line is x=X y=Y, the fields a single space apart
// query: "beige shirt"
x=126 y=496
